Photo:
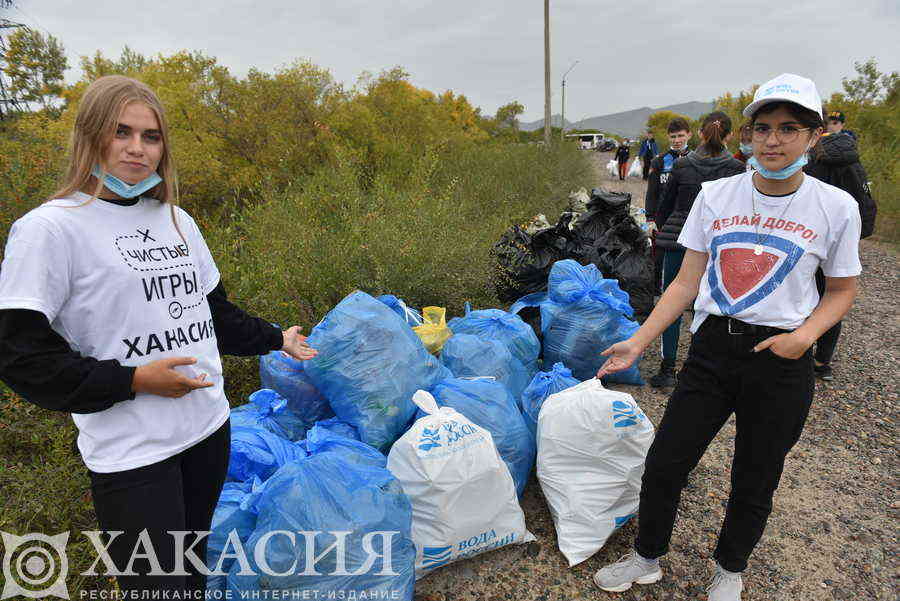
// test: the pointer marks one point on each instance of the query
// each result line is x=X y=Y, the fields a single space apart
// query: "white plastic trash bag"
x=613 y=168
x=637 y=168
x=463 y=497
x=592 y=443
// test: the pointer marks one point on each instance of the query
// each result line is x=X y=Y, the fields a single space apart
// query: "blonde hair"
x=95 y=125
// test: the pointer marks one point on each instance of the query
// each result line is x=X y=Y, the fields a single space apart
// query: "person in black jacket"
x=112 y=310
x=835 y=161
x=660 y=168
x=710 y=161
x=622 y=155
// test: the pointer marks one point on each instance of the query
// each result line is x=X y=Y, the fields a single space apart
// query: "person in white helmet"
x=754 y=242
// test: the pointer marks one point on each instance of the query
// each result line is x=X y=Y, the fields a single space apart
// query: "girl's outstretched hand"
x=295 y=345
x=621 y=356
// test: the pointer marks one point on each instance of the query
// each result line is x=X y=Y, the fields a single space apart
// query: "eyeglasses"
x=784 y=134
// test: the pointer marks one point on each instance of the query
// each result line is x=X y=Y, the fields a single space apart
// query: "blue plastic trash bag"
x=543 y=385
x=407 y=314
x=269 y=410
x=286 y=376
x=334 y=424
x=583 y=314
x=319 y=495
x=323 y=440
x=369 y=365
x=256 y=452
x=236 y=511
x=469 y=356
x=496 y=324
x=489 y=404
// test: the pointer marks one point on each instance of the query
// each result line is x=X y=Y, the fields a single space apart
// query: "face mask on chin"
x=784 y=172
x=747 y=149
x=123 y=189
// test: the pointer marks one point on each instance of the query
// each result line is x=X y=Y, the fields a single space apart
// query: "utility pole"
x=547 y=72
x=562 y=132
x=8 y=103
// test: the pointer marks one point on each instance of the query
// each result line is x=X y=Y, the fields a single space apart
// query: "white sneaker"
x=725 y=585
x=630 y=568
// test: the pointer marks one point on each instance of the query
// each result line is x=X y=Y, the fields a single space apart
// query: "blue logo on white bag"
x=626 y=414
x=435 y=557
x=431 y=438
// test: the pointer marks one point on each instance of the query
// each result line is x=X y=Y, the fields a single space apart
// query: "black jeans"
x=827 y=342
x=770 y=397
x=177 y=494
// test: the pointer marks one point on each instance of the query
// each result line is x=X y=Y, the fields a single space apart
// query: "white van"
x=588 y=141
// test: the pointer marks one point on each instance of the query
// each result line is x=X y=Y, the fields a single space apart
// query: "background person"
x=750 y=354
x=834 y=124
x=710 y=161
x=622 y=154
x=679 y=133
x=111 y=309
x=745 y=150
x=647 y=151
x=835 y=160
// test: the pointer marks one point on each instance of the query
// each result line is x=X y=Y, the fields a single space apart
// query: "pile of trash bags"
x=582 y=315
x=391 y=445
x=604 y=232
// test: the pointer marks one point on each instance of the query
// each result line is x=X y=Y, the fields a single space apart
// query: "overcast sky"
x=631 y=54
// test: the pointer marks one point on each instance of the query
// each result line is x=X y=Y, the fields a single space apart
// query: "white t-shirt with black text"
x=118 y=282
x=818 y=226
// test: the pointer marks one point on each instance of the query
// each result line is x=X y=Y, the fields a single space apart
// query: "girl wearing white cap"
x=754 y=242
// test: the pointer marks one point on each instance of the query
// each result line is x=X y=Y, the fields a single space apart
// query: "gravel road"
x=832 y=534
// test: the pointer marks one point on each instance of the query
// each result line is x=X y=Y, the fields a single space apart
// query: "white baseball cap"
x=787 y=87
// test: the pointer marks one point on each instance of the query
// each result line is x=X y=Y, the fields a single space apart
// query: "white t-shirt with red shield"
x=762 y=264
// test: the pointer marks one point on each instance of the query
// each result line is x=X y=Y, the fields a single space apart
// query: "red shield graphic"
x=742 y=269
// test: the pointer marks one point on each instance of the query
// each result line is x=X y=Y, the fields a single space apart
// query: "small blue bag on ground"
x=489 y=404
x=583 y=314
x=258 y=452
x=411 y=316
x=236 y=510
x=319 y=495
x=469 y=356
x=543 y=385
x=269 y=410
x=286 y=376
x=370 y=363
x=496 y=324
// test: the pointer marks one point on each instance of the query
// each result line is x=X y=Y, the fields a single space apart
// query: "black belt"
x=737 y=327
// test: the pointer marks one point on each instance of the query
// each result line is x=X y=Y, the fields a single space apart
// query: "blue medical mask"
x=120 y=188
x=784 y=173
x=747 y=149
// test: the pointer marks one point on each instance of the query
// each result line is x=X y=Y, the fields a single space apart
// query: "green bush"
x=425 y=237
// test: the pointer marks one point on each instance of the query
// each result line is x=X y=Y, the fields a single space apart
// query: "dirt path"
x=832 y=534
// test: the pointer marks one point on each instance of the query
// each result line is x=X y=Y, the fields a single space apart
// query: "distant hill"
x=628 y=123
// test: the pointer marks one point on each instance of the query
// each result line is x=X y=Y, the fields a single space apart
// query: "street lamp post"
x=562 y=127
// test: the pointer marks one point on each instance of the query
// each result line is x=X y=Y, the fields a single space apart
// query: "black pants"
x=770 y=397
x=177 y=494
x=645 y=162
x=827 y=342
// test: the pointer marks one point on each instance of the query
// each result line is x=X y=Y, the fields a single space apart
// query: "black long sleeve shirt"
x=38 y=364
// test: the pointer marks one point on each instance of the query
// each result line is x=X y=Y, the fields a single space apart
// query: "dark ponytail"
x=716 y=126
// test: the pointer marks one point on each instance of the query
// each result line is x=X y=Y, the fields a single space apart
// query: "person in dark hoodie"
x=835 y=160
x=710 y=161
x=660 y=168
x=648 y=150
x=622 y=155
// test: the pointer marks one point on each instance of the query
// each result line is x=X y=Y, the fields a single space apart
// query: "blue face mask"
x=747 y=149
x=784 y=173
x=120 y=188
